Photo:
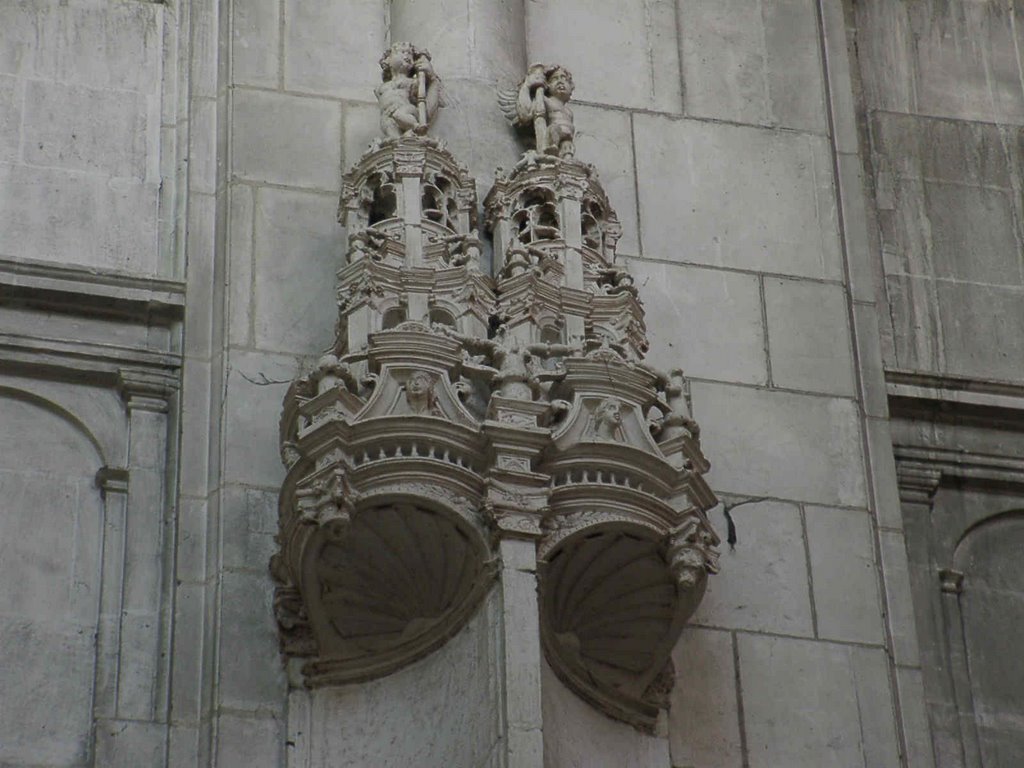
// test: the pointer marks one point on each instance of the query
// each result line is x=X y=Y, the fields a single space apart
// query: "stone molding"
x=457 y=409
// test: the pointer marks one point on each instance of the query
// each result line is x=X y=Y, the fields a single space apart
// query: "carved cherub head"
x=399 y=59
x=559 y=82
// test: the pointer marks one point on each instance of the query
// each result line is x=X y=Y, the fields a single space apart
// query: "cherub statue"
x=542 y=101
x=411 y=93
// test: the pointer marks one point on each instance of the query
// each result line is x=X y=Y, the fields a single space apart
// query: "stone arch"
x=51 y=536
x=988 y=555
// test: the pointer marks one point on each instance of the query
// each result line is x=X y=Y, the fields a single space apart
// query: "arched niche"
x=990 y=555
x=51 y=533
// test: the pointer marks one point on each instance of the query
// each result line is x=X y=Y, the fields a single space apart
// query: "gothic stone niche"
x=456 y=409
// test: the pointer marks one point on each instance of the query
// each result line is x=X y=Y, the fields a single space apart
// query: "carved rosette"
x=456 y=408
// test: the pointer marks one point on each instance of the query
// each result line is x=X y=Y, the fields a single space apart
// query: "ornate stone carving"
x=456 y=409
x=410 y=93
x=541 y=102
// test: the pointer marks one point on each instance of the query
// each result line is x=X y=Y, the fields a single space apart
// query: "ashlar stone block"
x=298 y=248
x=251 y=674
x=703 y=718
x=85 y=129
x=735 y=196
x=753 y=61
x=687 y=308
x=577 y=734
x=103 y=45
x=629 y=51
x=781 y=444
x=256 y=383
x=255 y=45
x=250 y=741
x=844 y=575
x=809 y=336
x=605 y=138
x=11 y=96
x=102 y=223
x=441 y=710
x=332 y=48
x=763 y=584
x=285 y=139
x=815 y=705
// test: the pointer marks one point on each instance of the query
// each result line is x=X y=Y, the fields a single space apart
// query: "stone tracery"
x=456 y=409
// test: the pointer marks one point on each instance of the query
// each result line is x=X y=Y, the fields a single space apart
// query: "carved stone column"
x=141 y=674
x=113 y=485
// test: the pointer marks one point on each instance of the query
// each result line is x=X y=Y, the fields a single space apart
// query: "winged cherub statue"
x=542 y=101
x=410 y=93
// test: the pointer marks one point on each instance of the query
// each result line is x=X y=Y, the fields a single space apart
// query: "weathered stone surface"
x=809 y=336
x=333 y=48
x=250 y=741
x=256 y=383
x=604 y=137
x=285 y=139
x=844 y=575
x=757 y=437
x=706 y=190
x=496 y=50
x=107 y=224
x=249 y=519
x=85 y=129
x=913 y=59
x=255 y=47
x=629 y=52
x=899 y=602
x=915 y=718
x=578 y=735
x=10 y=118
x=686 y=309
x=297 y=243
x=764 y=579
x=251 y=675
x=126 y=743
x=947 y=203
x=452 y=692
x=105 y=45
x=969 y=312
x=704 y=718
x=753 y=62
x=810 y=704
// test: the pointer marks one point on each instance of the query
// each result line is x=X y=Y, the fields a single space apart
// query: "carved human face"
x=610 y=412
x=418 y=384
x=560 y=84
x=400 y=57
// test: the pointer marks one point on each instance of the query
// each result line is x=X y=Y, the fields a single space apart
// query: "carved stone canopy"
x=457 y=408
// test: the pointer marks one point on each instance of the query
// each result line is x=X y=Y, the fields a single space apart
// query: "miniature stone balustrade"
x=456 y=410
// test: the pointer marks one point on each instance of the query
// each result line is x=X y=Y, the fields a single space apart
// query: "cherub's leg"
x=407 y=118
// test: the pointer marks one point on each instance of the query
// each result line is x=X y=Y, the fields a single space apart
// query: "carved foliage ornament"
x=456 y=407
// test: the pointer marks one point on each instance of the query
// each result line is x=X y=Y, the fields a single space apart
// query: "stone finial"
x=410 y=93
x=541 y=101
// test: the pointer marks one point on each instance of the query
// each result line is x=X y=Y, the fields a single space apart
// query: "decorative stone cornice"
x=918 y=481
x=951 y=581
x=146 y=390
x=112 y=480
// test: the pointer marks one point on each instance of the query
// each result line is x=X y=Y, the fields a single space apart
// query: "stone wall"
x=155 y=310
x=943 y=109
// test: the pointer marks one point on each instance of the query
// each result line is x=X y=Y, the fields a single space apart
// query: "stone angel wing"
x=508 y=100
